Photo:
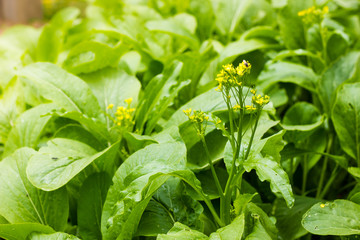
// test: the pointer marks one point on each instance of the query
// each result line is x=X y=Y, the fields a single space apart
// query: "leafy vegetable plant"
x=142 y=120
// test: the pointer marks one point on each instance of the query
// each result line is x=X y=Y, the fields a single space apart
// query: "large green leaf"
x=182 y=25
x=173 y=205
x=345 y=69
x=22 y=202
x=288 y=220
x=69 y=92
x=12 y=103
x=28 y=128
x=17 y=47
x=92 y=197
x=156 y=219
x=300 y=121
x=228 y=14
x=346 y=119
x=52 y=37
x=136 y=181
x=258 y=224
x=270 y=170
x=290 y=24
x=182 y=232
x=61 y=87
x=113 y=86
x=340 y=218
x=52 y=236
x=89 y=56
x=61 y=160
x=233 y=231
x=288 y=72
x=19 y=231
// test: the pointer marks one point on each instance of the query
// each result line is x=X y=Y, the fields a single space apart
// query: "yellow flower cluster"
x=230 y=76
x=124 y=115
x=259 y=100
x=313 y=14
x=196 y=116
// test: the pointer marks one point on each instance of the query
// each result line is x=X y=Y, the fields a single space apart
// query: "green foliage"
x=94 y=142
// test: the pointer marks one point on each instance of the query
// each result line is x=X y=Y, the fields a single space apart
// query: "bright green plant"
x=95 y=144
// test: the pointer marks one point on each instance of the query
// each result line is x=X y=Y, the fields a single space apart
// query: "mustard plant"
x=235 y=89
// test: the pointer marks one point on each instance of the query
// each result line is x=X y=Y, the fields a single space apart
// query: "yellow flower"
x=250 y=108
x=110 y=106
x=236 y=107
x=128 y=101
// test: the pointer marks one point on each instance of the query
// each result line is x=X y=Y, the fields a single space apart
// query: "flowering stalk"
x=231 y=82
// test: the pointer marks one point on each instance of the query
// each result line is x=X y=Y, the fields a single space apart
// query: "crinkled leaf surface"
x=346 y=119
x=60 y=161
x=270 y=170
x=340 y=218
x=22 y=202
x=136 y=181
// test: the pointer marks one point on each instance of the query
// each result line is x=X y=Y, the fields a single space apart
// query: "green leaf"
x=78 y=133
x=229 y=54
x=182 y=232
x=136 y=181
x=183 y=208
x=155 y=220
x=61 y=87
x=89 y=56
x=158 y=95
x=270 y=170
x=301 y=120
x=53 y=236
x=92 y=197
x=136 y=141
x=345 y=69
x=288 y=220
x=60 y=161
x=258 y=224
x=12 y=103
x=52 y=37
x=346 y=119
x=18 y=231
x=28 y=128
x=234 y=230
x=340 y=218
x=182 y=25
x=259 y=232
x=287 y=72
x=113 y=86
x=22 y=202
x=229 y=14
x=290 y=24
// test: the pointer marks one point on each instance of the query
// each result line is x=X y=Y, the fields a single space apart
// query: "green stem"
x=334 y=174
x=216 y=179
x=323 y=171
x=305 y=172
x=252 y=135
x=207 y=202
